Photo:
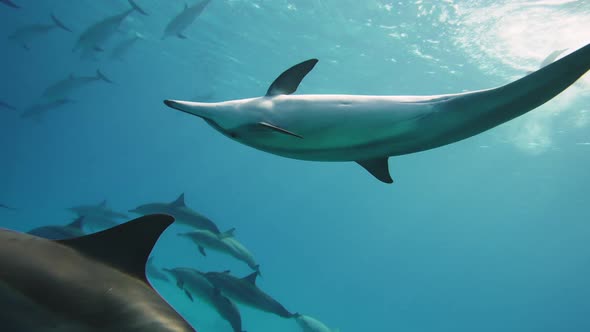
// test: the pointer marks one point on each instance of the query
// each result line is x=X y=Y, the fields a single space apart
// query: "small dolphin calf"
x=60 y=91
x=96 y=35
x=99 y=210
x=28 y=33
x=182 y=21
x=182 y=214
x=370 y=129
x=310 y=324
x=194 y=282
x=86 y=284
x=224 y=243
x=9 y=3
x=245 y=291
x=55 y=232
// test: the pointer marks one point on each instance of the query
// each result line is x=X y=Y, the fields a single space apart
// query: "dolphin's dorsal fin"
x=378 y=167
x=202 y=251
x=125 y=247
x=78 y=223
x=290 y=79
x=179 y=202
x=251 y=278
x=229 y=233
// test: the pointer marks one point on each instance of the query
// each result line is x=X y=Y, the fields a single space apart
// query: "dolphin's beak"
x=202 y=110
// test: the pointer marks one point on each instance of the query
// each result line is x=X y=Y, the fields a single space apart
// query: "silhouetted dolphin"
x=370 y=129
x=153 y=272
x=223 y=243
x=96 y=35
x=58 y=232
x=245 y=291
x=182 y=214
x=9 y=3
x=38 y=110
x=194 y=282
x=7 y=106
x=185 y=18
x=100 y=210
x=2 y=206
x=310 y=324
x=26 y=34
x=121 y=49
x=86 y=284
x=63 y=88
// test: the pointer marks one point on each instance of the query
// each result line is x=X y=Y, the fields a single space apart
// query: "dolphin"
x=370 y=129
x=38 y=110
x=56 y=232
x=101 y=222
x=245 y=291
x=124 y=46
x=28 y=33
x=9 y=3
x=194 y=282
x=62 y=89
x=182 y=214
x=310 y=324
x=3 y=206
x=100 y=210
x=7 y=106
x=91 y=283
x=185 y=18
x=96 y=35
x=224 y=243
x=551 y=57
x=153 y=272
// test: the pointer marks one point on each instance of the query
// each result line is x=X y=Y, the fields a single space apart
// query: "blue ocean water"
x=488 y=234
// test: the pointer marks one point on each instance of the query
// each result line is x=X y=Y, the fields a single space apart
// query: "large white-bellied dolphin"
x=26 y=34
x=370 y=129
x=86 y=284
x=94 y=37
x=186 y=17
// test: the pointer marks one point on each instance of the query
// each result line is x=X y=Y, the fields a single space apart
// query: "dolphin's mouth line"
x=175 y=105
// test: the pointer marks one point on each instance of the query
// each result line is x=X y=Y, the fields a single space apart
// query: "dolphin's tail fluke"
x=101 y=76
x=137 y=8
x=59 y=24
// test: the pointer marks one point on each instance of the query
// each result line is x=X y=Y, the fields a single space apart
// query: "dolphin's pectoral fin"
x=181 y=36
x=378 y=167
x=278 y=129
x=290 y=79
x=202 y=251
x=190 y=297
x=229 y=233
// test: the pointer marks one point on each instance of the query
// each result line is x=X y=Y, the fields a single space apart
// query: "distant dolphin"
x=2 y=206
x=310 y=324
x=55 y=232
x=194 y=282
x=551 y=57
x=185 y=18
x=153 y=272
x=7 y=106
x=26 y=34
x=223 y=243
x=38 y=110
x=62 y=89
x=97 y=222
x=122 y=48
x=96 y=35
x=245 y=291
x=370 y=129
x=86 y=284
x=99 y=210
x=9 y=3
x=182 y=214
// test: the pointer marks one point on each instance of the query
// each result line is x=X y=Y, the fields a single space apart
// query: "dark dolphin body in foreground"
x=194 y=282
x=86 y=284
x=370 y=129
x=245 y=291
